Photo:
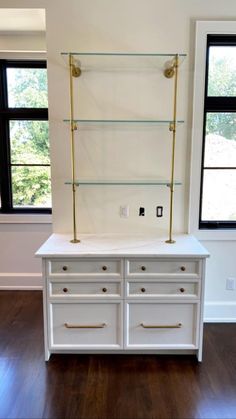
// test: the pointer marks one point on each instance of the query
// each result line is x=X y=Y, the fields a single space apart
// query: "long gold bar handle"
x=160 y=326
x=84 y=326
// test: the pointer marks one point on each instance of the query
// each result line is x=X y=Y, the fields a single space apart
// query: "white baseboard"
x=20 y=281
x=220 y=312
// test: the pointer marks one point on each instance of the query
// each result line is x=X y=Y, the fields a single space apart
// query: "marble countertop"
x=59 y=245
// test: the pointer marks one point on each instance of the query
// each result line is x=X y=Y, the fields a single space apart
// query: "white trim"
x=20 y=281
x=220 y=320
x=220 y=312
x=23 y=55
x=21 y=288
x=202 y=29
x=25 y=219
x=23 y=33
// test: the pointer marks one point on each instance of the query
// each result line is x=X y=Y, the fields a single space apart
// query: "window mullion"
x=5 y=169
x=220 y=104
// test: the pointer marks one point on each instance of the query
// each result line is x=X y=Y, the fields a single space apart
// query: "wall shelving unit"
x=79 y=62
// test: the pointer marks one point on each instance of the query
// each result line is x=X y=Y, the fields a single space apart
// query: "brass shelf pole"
x=73 y=127
x=173 y=71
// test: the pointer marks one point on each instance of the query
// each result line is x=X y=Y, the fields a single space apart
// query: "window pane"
x=222 y=71
x=27 y=87
x=31 y=187
x=220 y=141
x=29 y=142
x=219 y=195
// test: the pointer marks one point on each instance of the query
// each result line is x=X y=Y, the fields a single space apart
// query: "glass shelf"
x=102 y=61
x=119 y=122
x=122 y=182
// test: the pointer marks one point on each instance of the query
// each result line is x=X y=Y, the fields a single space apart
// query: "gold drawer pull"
x=143 y=268
x=104 y=268
x=84 y=326
x=183 y=268
x=64 y=268
x=158 y=326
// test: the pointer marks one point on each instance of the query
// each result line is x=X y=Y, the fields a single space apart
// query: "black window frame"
x=219 y=104
x=6 y=115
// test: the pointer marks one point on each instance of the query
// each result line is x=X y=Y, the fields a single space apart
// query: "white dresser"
x=116 y=293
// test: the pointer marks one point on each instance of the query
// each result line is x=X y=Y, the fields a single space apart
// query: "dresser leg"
x=47 y=355
x=199 y=355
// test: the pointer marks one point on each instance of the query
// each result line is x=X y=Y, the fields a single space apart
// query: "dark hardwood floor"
x=109 y=386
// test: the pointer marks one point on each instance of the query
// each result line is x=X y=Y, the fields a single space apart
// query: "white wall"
x=128 y=25
x=22 y=42
x=20 y=239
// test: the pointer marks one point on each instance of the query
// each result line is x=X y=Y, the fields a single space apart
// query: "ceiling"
x=22 y=20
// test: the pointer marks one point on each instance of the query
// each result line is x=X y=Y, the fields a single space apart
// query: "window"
x=218 y=173
x=24 y=142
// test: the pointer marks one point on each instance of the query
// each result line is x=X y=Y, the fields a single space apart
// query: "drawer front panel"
x=86 y=325
x=85 y=267
x=85 y=289
x=154 y=267
x=162 y=289
x=161 y=325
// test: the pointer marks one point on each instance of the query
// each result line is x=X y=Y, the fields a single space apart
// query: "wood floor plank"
x=109 y=386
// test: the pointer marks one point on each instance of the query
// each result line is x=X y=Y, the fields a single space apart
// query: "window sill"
x=215 y=235
x=25 y=218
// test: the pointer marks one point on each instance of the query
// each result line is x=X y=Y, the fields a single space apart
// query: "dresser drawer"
x=162 y=268
x=86 y=325
x=85 y=268
x=162 y=289
x=84 y=289
x=157 y=325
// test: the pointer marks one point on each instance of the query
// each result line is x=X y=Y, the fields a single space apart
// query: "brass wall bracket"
x=170 y=69
x=76 y=70
x=74 y=126
x=172 y=127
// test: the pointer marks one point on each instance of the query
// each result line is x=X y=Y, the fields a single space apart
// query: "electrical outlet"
x=230 y=284
x=124 y=211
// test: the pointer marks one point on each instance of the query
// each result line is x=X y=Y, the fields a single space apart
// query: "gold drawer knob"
x=104 y=290
x=182 y=289
x=64 y=268
x=143 y=268
x=183 y=268
x=104 y=268
x=143 y=290
x=65 y=289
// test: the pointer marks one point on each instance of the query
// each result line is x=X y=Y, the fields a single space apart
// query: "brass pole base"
x=75 y=241
x=170 y=241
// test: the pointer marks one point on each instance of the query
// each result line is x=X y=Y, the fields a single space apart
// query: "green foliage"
x=222 y=82
x=29 y=141
x=31 y=186
x=221 y=124
x=27 y=87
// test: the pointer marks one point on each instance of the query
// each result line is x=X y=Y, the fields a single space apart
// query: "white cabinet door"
x=161 y=325
x=86 y=325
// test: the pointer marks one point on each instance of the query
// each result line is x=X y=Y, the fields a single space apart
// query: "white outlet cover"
x=230 y=283
x=124 y=211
